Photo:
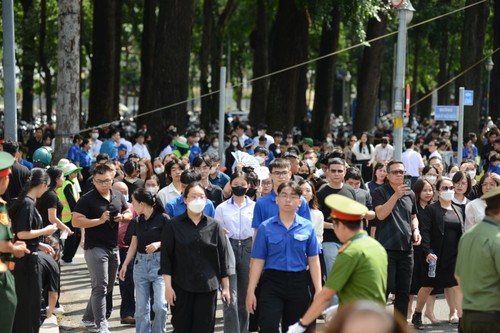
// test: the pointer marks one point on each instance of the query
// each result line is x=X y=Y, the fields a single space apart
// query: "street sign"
x=446 y=112
x=468 y=97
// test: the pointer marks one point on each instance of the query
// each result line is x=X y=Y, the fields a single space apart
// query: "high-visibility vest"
x=66 y=212
x=178 y=154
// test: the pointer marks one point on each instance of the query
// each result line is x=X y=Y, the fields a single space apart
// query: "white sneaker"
x=88 y=326
x=103 y=328
x=59 y=310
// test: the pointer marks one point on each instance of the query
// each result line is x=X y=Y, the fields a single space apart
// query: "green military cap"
x=492 y=198
x=345 y=209
x=6 y=161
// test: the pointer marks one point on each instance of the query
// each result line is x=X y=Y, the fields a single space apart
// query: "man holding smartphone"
x=397 y=231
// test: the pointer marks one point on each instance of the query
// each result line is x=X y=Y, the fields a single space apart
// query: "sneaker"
x=59 y=310
x=416 y=320
x=88 y=326
x=68 y=263
x=103 y=328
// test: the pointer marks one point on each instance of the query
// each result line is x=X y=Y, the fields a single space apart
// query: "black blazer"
x=431 y=226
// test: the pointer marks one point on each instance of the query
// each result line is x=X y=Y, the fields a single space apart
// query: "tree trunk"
x=369 y=79
x=103 y=102
x=325 y=76
x=259 y=42
x=28 y=58
x=43 y=60
x=474 y=31
x=171 y=76
x=68 y=75
x=288 y=46
x=206 y=46
x=147 y=58
x=495 y=74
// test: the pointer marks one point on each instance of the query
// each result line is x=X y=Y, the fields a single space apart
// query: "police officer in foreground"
x=360 y=271
x=478 y=270
x=8 y=249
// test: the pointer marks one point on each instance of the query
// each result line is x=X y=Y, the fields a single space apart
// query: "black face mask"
x=239 y=191
x=304 y=175
x=251 y=192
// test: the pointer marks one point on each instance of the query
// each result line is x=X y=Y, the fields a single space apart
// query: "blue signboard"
x=446 y=112
x=468 y=97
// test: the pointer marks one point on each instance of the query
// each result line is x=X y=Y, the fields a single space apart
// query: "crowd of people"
x=285 y=228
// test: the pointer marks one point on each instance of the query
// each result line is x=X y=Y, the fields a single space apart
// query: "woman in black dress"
x=441 y=226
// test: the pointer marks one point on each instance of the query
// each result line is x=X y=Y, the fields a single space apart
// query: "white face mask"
x=159 y=170
x=197 y=205
x=309 y=162
x=126 y=197
x=235 y=143
x=447 y=195
x=215 y=144
x=260 y=133
x=152 y=189
x=329 y=140
x=213 y=170
x=472 y=174
x=278 y=151
x=259 y=159
x=431 y=179
x=94 y=135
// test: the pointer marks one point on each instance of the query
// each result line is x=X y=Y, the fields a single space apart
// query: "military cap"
x=345 y=209
x=492 y=198
x=6 y=161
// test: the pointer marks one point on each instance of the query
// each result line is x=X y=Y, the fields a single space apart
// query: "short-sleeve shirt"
x=27 y=218
x=360 y=270
x=147 y=231
x=49 y=200
x=346 y=191
x=394 y=233
x=478 y=266
x=285 y=249
x=92 y=205
x=266 y=207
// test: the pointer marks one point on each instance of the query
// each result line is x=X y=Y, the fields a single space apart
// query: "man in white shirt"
x=384 y=152
x=433 y=149
x=262 y=131
x=96 y=143
x=140 y=148
x=240 y=132
x=412 y=161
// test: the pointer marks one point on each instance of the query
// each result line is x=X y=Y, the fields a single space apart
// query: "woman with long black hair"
x=364 y=154
x=27 y=226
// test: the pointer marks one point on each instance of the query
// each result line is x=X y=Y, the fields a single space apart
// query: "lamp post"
x=489 y=67
x=405 y=13
x=346 y=78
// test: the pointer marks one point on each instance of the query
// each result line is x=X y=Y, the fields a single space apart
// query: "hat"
x=345 y=209
x=492 y=198
x=68 y=169
x=248 y=142
x=62 y=163
x=307 y=141
x=121 y=147
x=6 y=161
x=181 y=142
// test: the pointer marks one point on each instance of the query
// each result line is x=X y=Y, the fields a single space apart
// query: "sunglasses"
x=397 y=172
x=447 y=188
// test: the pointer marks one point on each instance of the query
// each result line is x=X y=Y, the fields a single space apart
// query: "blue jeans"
x=330 y=251
x=146 y=275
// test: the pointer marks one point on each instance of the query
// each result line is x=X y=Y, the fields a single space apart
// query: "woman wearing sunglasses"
x=441 y=226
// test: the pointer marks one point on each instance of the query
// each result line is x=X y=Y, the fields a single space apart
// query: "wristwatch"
x=301 y=324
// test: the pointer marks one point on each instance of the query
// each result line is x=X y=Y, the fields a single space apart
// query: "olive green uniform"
x=8 y=299
x=478 y=267
x=360 y=270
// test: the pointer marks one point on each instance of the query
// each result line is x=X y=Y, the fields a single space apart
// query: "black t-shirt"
x=17 y=179
x=49 y=275
x=27 y=218
x=92 y=205
x=49 y=200
x=139 y=183
x=347 y=191
x=394 y=233
x=215 y=194
x=147 y=231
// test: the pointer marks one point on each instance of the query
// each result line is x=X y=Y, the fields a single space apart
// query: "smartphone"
x=407 y=182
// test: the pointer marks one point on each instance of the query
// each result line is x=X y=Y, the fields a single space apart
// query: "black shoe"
x=127 y=320
x=416 y=320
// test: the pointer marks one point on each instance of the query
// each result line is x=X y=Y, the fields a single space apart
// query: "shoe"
x=454 y=319
x=129 y=320
x=103 y=328
x=416 y=320
x=432 y=319
x=68 y=263
x=88 y=326
x=59 y=310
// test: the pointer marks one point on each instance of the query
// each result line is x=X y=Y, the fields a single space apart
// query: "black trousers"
x=71 y=244
x=193 y=312
x=399 y=272
x=284 y=297
x=127 y=306
x=29 y=294
x=480 y=321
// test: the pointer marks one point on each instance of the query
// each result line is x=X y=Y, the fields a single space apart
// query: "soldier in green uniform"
x=360 y=270
x=8 y=249
x=477 y=270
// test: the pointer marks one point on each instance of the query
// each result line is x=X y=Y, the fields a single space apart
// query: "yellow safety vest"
x=66 y=212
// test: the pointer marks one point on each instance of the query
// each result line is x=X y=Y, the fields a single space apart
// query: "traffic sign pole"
x=460 y=124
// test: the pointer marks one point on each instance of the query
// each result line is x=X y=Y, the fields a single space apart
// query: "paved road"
x=76 y=289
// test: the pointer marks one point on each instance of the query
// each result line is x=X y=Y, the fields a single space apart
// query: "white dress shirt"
x=168 y=193
x=474 y=212
x=141 y=150
x=96 y=148
x=237 y=220
x=365 y=153
x=412 y=162
x=383 y=154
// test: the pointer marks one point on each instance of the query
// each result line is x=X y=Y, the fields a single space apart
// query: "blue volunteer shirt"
x=73 y=153
x=285 y=249
x=195 y=151
x=266 y=207
x=109 y=147
x=177 y=207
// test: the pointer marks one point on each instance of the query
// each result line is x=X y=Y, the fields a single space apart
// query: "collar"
x=491 y=221
x=360 y=234
x=245 y=202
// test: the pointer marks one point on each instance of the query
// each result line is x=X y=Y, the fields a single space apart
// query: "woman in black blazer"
x=441 y=226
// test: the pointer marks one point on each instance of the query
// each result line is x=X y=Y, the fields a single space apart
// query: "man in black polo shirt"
x=397 y=229
x=99 y=212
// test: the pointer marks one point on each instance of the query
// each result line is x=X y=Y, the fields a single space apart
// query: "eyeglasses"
x=288 y=197
x=280 y=173
x=397 y=172
x=103 y=182
x=447 y=188
x=267 y=183
x=335 y=171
